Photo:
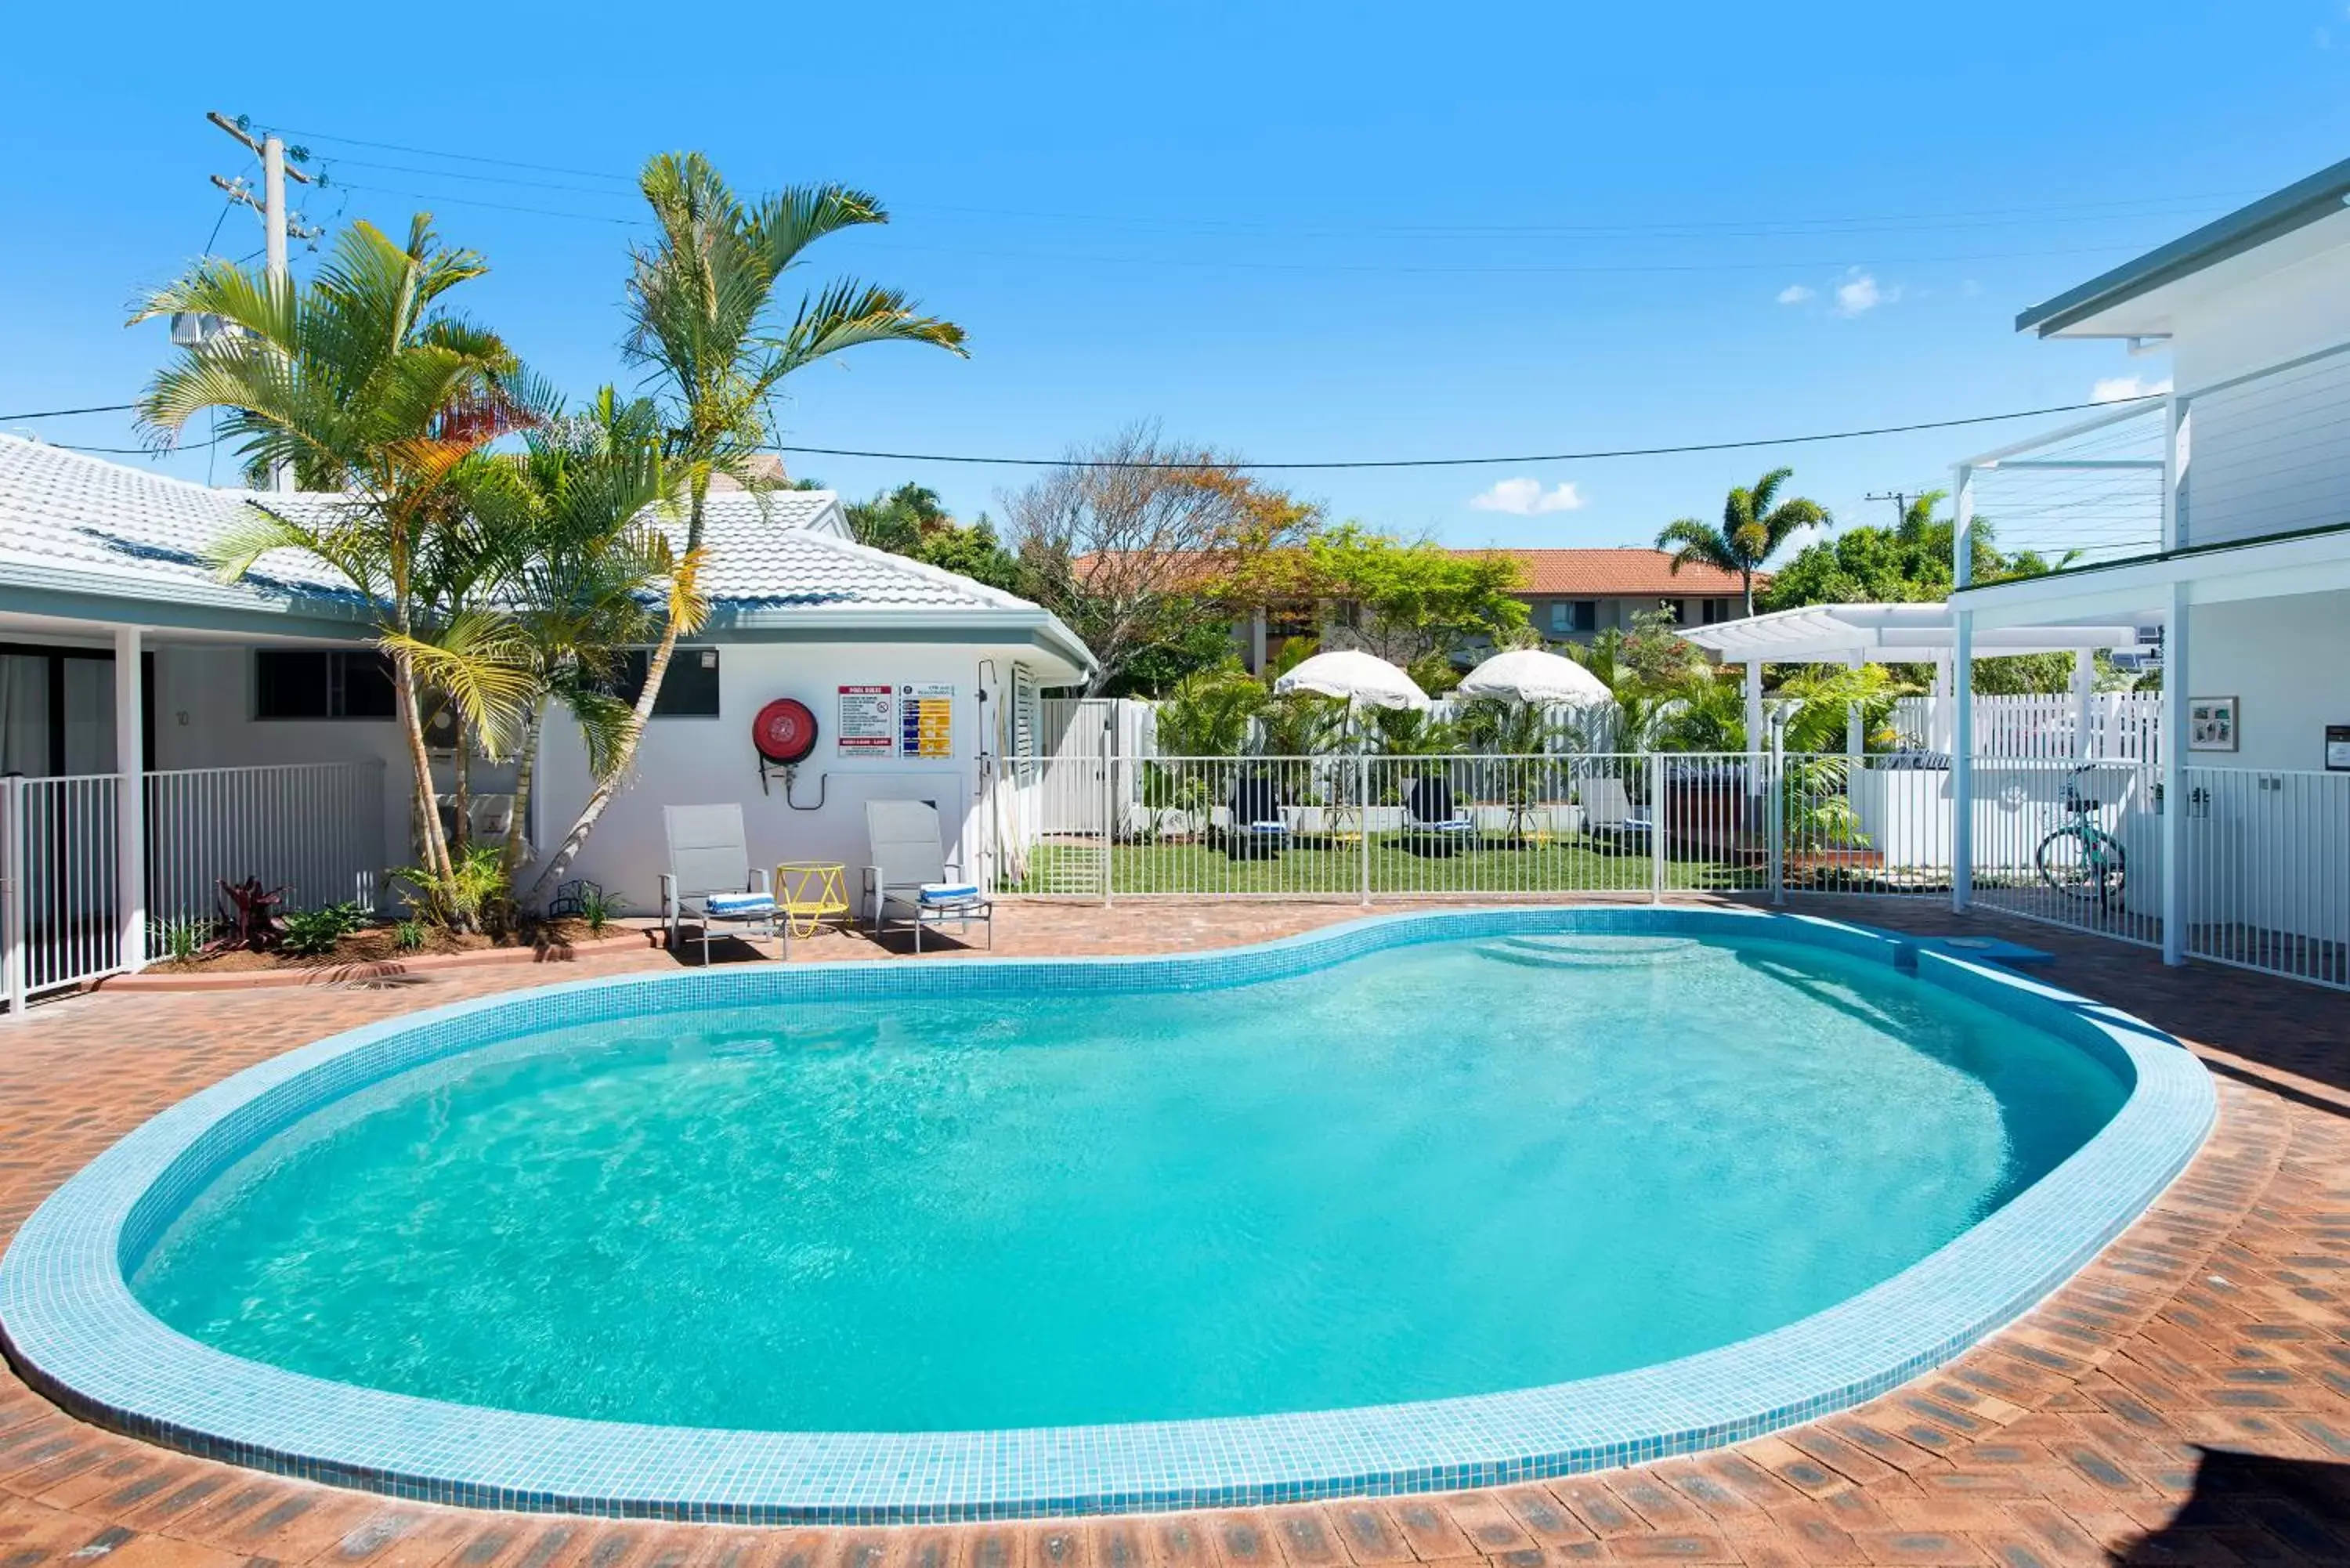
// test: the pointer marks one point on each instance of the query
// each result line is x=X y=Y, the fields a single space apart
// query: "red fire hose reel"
x=785 y=732
x=784 y=736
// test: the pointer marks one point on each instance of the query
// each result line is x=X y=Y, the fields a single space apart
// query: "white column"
x=1942 y=733
x=2175 y=687
x=1855 y=741
x=1961 y=702
x=2085 y=696
x=1755 y=741
x=130 y=798
x=2177 y=457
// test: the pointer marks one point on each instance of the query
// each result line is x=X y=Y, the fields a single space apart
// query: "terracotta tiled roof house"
x=1572 y=595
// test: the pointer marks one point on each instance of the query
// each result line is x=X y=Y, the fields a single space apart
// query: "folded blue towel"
x=949 y=892
x=1268 y=827
x=739 y=903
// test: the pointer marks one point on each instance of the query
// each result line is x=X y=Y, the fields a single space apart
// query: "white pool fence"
x=2051 y=839
x=315 y=830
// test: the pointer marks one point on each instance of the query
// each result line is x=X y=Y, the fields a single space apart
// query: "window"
x=690 y=690
x=321 y=683
x=1574 y=615
x=1679 y=608
x=1716 y=611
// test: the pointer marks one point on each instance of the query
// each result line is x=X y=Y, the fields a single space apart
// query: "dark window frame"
x=693 y=697
x=336 y=688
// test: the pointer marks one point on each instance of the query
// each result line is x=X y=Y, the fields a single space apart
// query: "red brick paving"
x=2187 y=1399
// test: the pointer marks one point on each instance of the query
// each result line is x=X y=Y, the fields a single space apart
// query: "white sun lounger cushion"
x=739 y=903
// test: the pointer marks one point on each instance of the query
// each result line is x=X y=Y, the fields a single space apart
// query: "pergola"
x=1855 y=635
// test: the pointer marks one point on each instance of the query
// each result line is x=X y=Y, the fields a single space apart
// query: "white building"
x=2244 y=562
x=259 y=713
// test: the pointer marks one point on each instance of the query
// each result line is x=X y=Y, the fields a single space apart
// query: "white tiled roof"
x=84 y=525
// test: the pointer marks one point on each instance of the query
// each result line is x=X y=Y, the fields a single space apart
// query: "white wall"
x=2287 y=659
x=687 y=762
x=2272 y=455
x=204 y=719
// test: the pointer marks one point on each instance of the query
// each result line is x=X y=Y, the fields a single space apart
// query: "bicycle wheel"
x=2069 y=862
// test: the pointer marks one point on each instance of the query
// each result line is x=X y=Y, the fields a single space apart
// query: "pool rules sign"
x=868 y=721
x=926 y=720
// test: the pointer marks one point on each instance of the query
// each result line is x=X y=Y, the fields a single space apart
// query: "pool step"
x=1592 y=952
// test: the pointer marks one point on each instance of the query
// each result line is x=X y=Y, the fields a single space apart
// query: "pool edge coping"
x=69 y=1323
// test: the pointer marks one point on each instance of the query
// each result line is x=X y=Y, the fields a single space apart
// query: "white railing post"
x=1363 y=824
x=1963 y=763
x=2176 y=682
x=1774 y=814
x=12 y=944
x=1109 y=821
x=129 y=802
x=1657 y=828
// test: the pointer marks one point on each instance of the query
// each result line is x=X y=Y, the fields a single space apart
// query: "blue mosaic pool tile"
x=81 y=1336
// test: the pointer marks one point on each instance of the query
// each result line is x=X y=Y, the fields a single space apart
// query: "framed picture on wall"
x=2210 y=723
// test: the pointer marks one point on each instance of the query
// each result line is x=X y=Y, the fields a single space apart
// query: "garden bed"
x=374 y=953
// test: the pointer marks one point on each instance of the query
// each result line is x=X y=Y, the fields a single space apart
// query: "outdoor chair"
x=911 y=881
x=1608 y=817
x=710 y=873
x=1432 y=824
x=1258 y=830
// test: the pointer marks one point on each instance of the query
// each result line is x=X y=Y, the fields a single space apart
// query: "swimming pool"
x=1434 y=1199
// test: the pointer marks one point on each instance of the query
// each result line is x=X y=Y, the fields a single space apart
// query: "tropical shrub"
x=313 y=933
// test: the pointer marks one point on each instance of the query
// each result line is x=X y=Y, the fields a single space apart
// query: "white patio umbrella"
x=1357 y=678
x=1533 y=675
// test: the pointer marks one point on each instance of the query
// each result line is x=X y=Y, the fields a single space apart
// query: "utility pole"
x=1900 y=499
x=276 y=223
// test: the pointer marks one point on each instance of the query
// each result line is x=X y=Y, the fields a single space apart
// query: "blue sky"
x=1293 y=232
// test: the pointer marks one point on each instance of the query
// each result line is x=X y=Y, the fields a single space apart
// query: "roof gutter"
x=2296 y=206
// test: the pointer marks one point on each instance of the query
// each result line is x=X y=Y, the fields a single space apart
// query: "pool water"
x=1450 y=1168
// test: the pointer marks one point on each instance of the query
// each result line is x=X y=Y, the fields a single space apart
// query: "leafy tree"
x=1200 y=644
x=896 y=520
x=1754 y=523
x=1137 y=538
x=1413 y=600
x=972 y=551
x=1911 y=564
x=706 y=322
x=1210 y=712
x=362 y=382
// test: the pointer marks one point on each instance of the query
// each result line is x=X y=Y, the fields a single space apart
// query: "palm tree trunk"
x=625 y=755
x=433 y=848
x=461 y=818
x=526 y=768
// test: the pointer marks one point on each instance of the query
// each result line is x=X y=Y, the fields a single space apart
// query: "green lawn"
x=1566 y=867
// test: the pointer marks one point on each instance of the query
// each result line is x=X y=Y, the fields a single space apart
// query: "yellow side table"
x=810 y=892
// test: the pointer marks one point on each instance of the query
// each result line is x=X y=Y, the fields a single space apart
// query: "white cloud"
x=1794 y=293
x=2115 y=389
x=1858 y=293
x=1527 y=498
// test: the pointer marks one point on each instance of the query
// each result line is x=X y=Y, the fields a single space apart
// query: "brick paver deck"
x=2187 y=1399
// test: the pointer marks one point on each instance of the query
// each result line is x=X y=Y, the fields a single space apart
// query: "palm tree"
x=362 y=383
x=582 y=569
x=704 y=321
x=1754 y=523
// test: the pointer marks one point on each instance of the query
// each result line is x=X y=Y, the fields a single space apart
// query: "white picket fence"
x=2122 y=726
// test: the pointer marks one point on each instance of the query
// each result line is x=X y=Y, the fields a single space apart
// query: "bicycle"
x=2081 y=859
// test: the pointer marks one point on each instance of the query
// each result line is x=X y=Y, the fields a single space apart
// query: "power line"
x=464 y=157
x=1463 y=461
x=61 y=413
x=439 y=200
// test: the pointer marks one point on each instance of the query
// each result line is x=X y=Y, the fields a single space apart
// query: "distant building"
x=1571 y=595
